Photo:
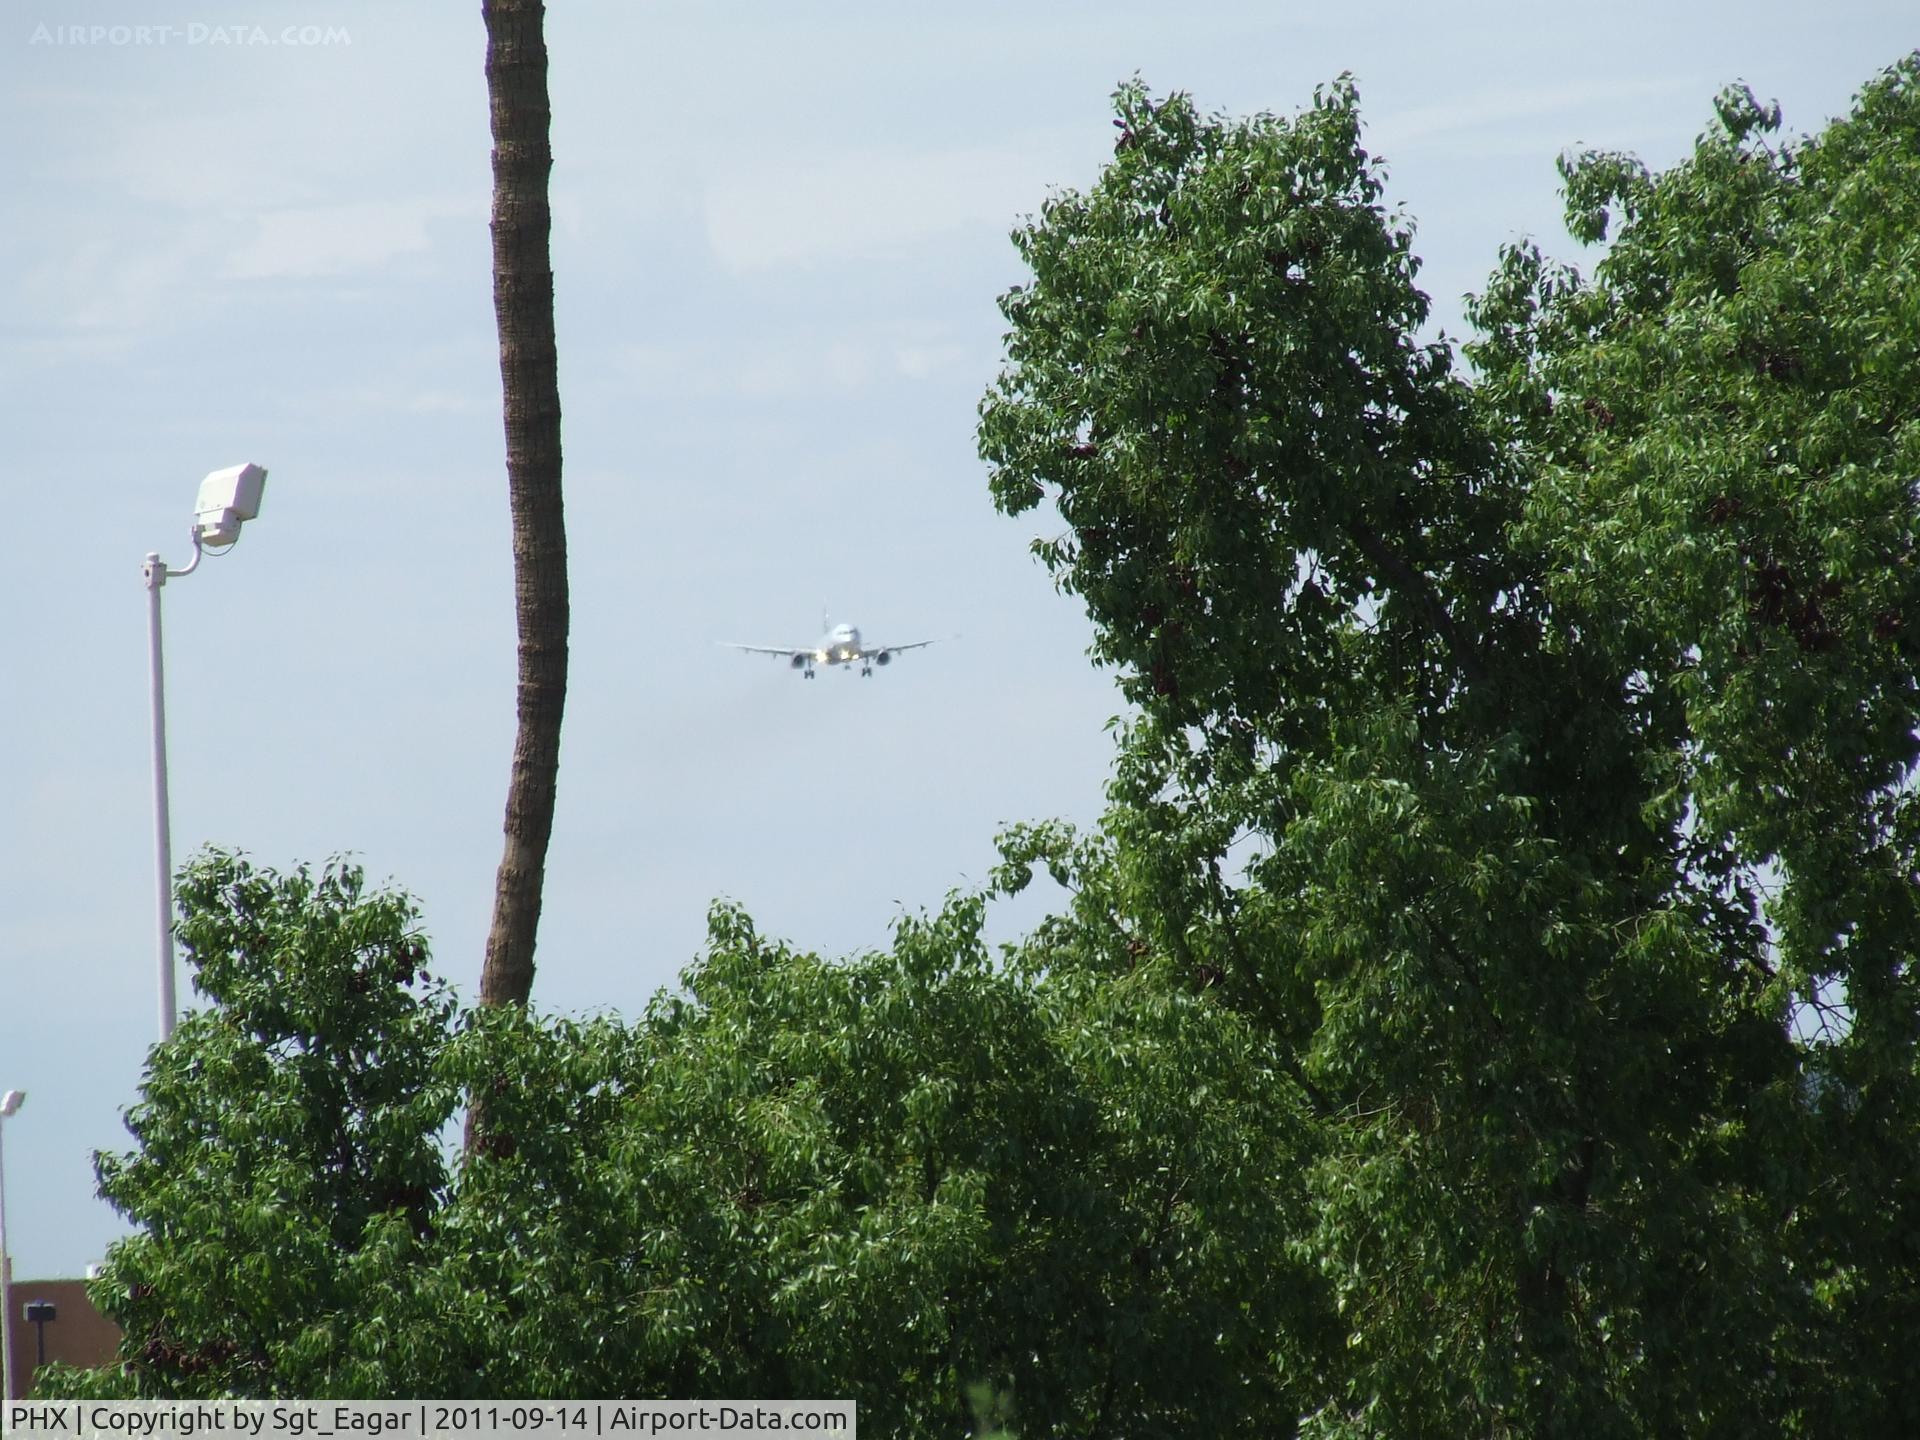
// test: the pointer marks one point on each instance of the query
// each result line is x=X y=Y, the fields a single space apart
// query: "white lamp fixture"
x=227 y=497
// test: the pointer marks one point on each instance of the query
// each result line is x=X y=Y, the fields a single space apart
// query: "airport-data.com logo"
x=195 y=33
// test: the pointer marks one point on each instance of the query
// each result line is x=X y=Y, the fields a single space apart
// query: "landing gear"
x=808 y=672
x=865 y=671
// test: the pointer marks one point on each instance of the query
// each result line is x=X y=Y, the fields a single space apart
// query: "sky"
x=258 y=231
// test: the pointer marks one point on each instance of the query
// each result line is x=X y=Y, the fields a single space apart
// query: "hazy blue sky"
x=779 y=234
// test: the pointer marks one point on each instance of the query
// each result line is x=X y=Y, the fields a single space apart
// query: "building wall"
x=79 y=1335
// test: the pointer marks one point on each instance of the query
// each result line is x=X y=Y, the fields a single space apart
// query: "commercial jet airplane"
x=841 y=645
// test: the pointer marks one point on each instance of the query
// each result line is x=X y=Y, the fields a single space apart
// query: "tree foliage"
x=1521 y=764
x=901 y=1178
x=288 y=1134
x=1568 y=719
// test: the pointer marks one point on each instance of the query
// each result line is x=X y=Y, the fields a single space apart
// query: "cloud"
x=871 y=203
x=918 y=362
x=310 y=241
x=1499 y=109
x=770 y=367
x=85 y=285
x=88 y=282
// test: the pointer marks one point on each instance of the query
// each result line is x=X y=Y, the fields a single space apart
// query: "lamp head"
x=227 y=498
x=10 y=1101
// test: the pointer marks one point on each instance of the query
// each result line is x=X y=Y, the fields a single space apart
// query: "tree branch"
x=1419 y=590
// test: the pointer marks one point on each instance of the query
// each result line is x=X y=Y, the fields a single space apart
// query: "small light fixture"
x=227 y=498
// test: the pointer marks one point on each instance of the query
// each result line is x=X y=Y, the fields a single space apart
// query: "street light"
x=39 y=1314
x=227 y=499
x=9 y=1103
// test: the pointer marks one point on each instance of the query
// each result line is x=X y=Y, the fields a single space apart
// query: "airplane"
x=839 y=646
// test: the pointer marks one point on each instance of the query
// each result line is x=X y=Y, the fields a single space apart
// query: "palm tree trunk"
x=530 y=384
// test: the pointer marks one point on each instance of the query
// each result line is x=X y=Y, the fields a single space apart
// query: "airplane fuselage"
x=839 y=646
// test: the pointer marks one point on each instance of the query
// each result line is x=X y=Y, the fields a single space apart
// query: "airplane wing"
x=781 y=650
x=896 y=649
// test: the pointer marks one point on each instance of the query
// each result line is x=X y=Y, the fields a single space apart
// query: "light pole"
x=9 y=1103
x=227 y=498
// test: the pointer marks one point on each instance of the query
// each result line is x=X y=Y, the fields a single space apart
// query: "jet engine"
x=799 y=662
x=882 y=658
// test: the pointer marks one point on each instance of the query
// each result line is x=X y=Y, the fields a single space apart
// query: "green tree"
x=1726 y=434
x=288 y=1135
x=904 y=1177
x=1516 y=698
x=895 y=1176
